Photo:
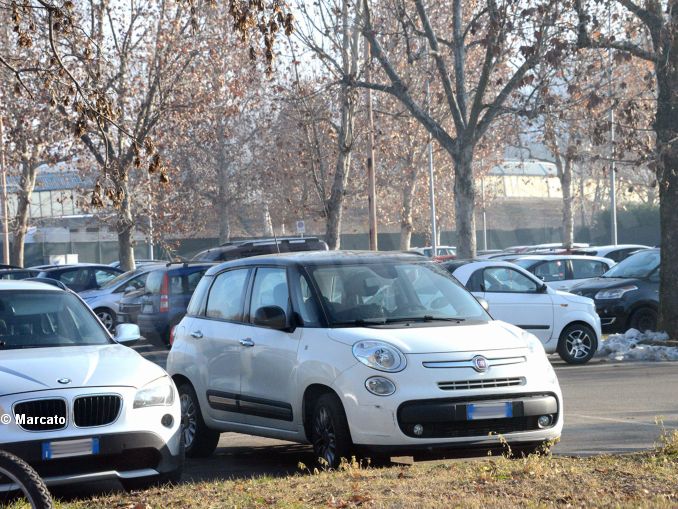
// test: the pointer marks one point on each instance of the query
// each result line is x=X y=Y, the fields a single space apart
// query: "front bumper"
x=437 y=400
x=613 y=315
x=121 y=456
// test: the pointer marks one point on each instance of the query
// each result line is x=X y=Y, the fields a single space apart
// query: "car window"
x=75 y=277
x=193 y=279
x=103 y=276
x=154 y=281
x=176 y=285
x=638 y=265
x=553 y=270
x=583 y=269
x=196 y=306
x=270 y=289
x=226 y=297
x=38 y=319
x=507 y=280
x=136 y=283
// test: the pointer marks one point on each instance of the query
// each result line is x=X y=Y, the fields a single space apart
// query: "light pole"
x=613 y=170
x=371 y=178
x=431 y=178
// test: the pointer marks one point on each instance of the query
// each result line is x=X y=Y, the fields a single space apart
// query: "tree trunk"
x=565 y=174
x=126 y=231
x=666 y=127
x=24 y=194
x=464 y=202
x=266 y=220
x=406 y=223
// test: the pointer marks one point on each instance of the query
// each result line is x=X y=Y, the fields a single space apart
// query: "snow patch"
x=630 y=347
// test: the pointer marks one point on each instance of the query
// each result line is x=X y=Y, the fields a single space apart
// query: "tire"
x=107 y=317
x=199 y=440
x=143 y=483
x=644 y=319
x=30 y=484
x=577 y=344
x=329 y=431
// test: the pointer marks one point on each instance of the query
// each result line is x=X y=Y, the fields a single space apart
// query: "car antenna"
x=275 y=237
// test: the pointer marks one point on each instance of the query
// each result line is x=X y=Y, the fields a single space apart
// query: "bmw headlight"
x=379 y=355
x=159 y=392
x=615 y=293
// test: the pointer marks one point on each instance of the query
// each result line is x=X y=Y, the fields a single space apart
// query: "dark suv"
x=247 y=248
x=81 y=277
x=161 y=303
x=627 y=295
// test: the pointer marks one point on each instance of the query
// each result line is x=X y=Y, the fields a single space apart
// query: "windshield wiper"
x=424 y=318
x=359 y=323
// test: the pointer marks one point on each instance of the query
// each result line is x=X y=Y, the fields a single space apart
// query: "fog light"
x=544 y=421
x=167 y=420
x=380 y=386
x=418 y=430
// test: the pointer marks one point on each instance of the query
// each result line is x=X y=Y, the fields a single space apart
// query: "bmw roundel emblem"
x=480 y=363
x=64 y=381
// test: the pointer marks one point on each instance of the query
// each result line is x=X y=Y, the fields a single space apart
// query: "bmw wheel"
x=199 y=440
x=107 y=317
x=578 y=343
x=330 y=434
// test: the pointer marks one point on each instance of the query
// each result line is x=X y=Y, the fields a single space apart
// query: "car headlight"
x=615 y=293
x=159 y=392
x=379 y=355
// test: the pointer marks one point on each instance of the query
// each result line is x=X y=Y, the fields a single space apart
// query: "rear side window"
x=583 y=269
x=154 y=281
x=227 y=295
x=176 y=285
x=197 y=305
x=76 y=277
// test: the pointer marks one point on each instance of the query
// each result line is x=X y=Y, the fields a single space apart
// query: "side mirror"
x=543 y=289
x=129 y=289
x=127 y=333
x=484 y=303
x=272 y=317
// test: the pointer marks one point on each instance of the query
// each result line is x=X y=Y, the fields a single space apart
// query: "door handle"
x=196 y=334
x=247 y=342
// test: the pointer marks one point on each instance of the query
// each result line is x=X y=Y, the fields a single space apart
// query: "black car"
x=627 y=295
x=81 y=277
x=17 y=273
x=247 y=248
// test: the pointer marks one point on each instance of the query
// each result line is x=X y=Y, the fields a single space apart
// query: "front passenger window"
x=270 y=289
x=506 y=280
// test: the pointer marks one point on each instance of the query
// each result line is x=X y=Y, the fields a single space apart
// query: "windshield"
x=39 y=319
x=525 y=264
x=393 y=292
x=639 y=265
x=121 y=278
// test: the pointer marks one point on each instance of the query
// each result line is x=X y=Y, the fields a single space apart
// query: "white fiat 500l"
x=349 y=349
x=565 y=323
x=76 y=404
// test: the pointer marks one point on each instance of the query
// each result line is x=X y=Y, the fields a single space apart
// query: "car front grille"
x=41 y=414
x=89 y=411
x=490 y=383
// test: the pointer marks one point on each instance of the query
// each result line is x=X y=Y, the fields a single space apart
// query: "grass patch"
x=640 y=480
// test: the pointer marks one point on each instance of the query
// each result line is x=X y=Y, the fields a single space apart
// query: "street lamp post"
x=431 y=180
x=3 y=193
x=613 y=169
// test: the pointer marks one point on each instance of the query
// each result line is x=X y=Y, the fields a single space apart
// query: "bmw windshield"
x=392 y=292
x=41 y=319
x=639 y=265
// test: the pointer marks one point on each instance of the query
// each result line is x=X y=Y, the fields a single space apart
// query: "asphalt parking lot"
x=609 y=408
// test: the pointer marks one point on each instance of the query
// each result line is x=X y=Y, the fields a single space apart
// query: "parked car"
x=627 y=296
x=76 y=404
x=245 y=248
x=616 y=252
x=161 y=302
x=344 y=349
x=562 y=272
x=565 y=323
x=442 y=252
x=105 y=301
x=15 y=274
x=81 y=277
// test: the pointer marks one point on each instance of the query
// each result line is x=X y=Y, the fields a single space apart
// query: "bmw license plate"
x=70 y=448
x=499 y=410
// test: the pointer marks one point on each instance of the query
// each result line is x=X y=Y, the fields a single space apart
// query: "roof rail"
x=186 y=263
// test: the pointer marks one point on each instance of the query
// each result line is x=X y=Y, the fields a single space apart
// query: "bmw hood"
x=494 y=335
x=39 y=369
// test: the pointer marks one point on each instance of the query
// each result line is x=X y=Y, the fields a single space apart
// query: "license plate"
x=70 y=448
x=478 y=411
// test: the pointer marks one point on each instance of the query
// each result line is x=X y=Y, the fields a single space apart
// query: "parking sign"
x=301 y=227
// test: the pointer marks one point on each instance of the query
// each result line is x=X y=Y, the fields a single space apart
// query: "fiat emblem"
x=480 y=363
x=64 y=381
